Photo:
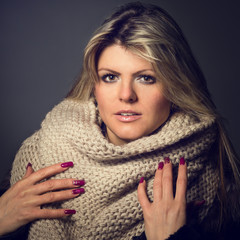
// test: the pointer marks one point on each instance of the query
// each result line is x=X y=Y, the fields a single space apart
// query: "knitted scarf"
x=109 y=208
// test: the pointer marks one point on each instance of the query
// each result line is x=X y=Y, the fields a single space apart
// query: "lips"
x=127 y=116
x=127 y=113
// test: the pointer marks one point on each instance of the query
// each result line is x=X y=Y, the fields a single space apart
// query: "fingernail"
x=79 y=182
x=70 y=211
x=67 y=164
x=141 y=180
x=199 y=203
x=29 y=165
x=182 y=161
x=160 y=165
x=166 y=160
x=78 y=191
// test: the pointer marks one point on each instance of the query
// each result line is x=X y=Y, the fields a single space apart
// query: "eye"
x=147 y=79
x=109 y=77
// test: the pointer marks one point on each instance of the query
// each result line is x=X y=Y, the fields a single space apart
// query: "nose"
x=127 y=93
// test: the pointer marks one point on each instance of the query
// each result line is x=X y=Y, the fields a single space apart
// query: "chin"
x=129 y=137
x=126 y=134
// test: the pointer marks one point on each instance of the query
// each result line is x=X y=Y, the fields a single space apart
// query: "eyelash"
x=145 y=81
x=149 y=77
x=105 y=76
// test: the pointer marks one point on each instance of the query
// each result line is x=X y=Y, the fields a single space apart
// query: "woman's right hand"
x=21 y=203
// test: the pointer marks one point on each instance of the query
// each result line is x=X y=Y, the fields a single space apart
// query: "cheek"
x=97 y=91
x=102 y=93
x=159 y=102
x=164 y=104
x=102 y=99
x=161 y=106
x=99 y=95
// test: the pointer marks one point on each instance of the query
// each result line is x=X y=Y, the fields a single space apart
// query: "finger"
x=52 y=213
x=167 y=182
x=29 y=170
x=56 y=196
x=181 y=186
x=157 y=185
x=55 y=184
x=48 y=172
x=142 y=195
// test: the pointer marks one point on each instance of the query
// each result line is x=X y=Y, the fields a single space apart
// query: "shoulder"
x=27 y=153
x=70 y=112
x=225 y=223
x=196 y=232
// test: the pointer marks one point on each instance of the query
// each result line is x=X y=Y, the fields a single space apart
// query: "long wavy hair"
x=151 y=33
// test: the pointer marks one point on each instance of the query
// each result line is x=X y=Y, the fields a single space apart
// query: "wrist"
x=6 y=227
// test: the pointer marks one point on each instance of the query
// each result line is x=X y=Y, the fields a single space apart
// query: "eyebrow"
x=117 y=73
x=108 y=70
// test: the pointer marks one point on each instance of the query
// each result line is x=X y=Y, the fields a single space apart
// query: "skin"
x=120 y=87
x=128 y=82
x=166 y=214
x=21 y=204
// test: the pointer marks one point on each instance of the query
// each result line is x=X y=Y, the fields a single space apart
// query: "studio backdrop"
x=41 y=49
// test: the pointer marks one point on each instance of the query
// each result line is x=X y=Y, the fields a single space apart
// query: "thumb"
x=193 y=208
x=142 y=195
x=195 y=204
x=29 y=170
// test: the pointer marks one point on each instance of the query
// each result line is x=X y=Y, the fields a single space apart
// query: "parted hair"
x=150 y=32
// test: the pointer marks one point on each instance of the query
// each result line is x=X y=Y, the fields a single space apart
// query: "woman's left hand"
x=166 y=214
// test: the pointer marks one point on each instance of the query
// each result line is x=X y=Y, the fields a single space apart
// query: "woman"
x=141 y=103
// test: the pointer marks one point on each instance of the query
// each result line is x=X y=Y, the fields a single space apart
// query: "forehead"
x=117 y=56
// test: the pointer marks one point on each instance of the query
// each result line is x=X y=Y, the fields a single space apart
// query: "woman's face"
x=130 y=100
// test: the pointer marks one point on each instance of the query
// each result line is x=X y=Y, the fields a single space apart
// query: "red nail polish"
x=78 y=182
x=166 y=160
x=67 y=164
x=70 y=211
x=199 y=203
x=29 y=165
x=182 y=161
x=160 y=165
x=141 y=180
x=78 y=191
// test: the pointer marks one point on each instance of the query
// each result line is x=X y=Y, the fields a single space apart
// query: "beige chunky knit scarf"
x=109 y=209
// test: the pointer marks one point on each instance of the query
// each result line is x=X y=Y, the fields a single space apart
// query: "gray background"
x=41 y=47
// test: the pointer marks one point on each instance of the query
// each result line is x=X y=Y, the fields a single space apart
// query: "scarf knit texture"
x=109 y=208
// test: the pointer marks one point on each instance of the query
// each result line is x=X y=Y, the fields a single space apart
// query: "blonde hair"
x=150 y=32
